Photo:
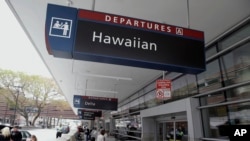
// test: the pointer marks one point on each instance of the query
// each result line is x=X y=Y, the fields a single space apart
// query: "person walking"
x=94 y=134
x=87 y=133
x=16 y=134
x=79 y=135
x=5 y=134
x=33 y=138
x=59 y=131
x=101 y=136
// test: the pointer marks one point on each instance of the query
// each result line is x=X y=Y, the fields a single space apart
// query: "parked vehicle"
x=25 y=134
x=65 y=129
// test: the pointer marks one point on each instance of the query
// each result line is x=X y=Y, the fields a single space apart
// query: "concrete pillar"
x=194 y=120
x=92 y=124
x=112 y=124
x=97 y=123
x=148 y=129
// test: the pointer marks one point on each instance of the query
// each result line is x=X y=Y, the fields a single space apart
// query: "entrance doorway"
x=172 y=131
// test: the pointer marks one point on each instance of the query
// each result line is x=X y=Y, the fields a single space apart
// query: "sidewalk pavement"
x=70 y=137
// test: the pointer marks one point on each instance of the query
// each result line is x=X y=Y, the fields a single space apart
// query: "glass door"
x=172 y=131
x=170 y=128
x=160 y=132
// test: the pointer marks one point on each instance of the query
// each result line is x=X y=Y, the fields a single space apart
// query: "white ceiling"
x=73 y=76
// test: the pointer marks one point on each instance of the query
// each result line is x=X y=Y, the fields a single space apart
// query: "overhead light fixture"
x=107 y=76
x=102 y=91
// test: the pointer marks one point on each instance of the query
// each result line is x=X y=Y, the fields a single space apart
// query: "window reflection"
x=213 y=99
x=221 y=117
x=235 y=68
x=237 y=36
x=211 y=51
x=184 y=86
x=128 y=127
x=236 y=65
x=210 y=79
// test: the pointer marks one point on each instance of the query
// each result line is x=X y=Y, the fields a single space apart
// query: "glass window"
x=235 y=68
x=219 y=118
x=133 y=97
x=236 y=65
x=237 y=36
x=192 y=84
x=150 y=99
x=134 y=103
x=149 y=87
x=211 y=51
x=212 y=99
x=142 y=102
x=239 y=113
x=210 y=79
x=184 y=86
x=238 y=93
x=179 y=87
x=213 y=118
x=126 y=123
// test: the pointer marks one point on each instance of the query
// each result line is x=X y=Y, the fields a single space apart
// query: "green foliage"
x=25 y=90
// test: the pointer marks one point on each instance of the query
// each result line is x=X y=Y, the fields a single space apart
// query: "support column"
x=148 y=129
x=97 y=123
x=194 y=120
x=112 y=125
x=92 y=124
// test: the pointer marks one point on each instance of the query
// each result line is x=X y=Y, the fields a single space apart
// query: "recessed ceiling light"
x=102 y=91
x=106 y=76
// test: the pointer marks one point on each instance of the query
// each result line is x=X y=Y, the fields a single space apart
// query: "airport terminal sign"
x=88 y=114
x=115 y=39
x=91 y=102
x=60 y=28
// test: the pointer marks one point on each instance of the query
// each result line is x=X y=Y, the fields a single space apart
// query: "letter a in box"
x=108 y=38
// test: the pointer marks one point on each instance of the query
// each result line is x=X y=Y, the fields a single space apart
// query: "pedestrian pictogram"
x=60 y=27
x=77 y=101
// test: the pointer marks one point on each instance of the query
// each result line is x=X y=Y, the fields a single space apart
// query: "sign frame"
x=92 y=102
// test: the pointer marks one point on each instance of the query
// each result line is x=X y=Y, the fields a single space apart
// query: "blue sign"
x=77 y=100
x=108 y=38
x=91 y=102
x=60 y=30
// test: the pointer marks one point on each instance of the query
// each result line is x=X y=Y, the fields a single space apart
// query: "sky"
x=16 y=51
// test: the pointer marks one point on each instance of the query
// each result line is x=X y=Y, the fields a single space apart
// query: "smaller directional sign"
x=97 y=113
x=91 y=102
x=87 y=115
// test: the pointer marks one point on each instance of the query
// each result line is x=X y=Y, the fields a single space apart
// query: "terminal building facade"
x=200 y=104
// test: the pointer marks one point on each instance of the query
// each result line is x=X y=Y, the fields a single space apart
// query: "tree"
x=43 y=90
x=22 y=91
x=14 y=83
x=59 y=106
